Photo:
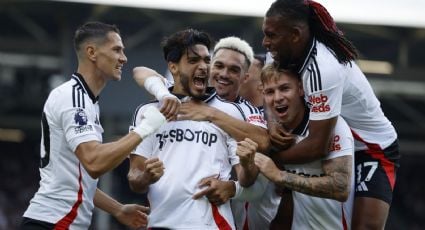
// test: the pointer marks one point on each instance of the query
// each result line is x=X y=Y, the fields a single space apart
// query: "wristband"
x=155 y=86
x=152 y=119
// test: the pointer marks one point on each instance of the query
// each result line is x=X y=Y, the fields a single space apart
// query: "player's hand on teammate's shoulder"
x=152 y=119
x=170 y=107
x=195 y=110
x=279 y=137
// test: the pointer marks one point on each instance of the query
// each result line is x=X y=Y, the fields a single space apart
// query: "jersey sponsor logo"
x=180 y=135
x=80 y=118
x=255 y=119
x=319 y=103
x=304 y=174
x=335 y=146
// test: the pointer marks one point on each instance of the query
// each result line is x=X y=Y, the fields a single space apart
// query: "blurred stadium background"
x=36 y=54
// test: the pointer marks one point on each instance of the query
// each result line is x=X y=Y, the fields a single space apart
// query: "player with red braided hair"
x=302 y=36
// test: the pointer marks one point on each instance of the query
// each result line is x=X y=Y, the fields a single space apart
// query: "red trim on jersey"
x=375 y=151
x=344 y=221
x=245 y=224
x=219 y=219
x=67 y=220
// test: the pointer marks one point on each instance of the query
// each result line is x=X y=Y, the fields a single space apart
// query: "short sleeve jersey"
x=70 y=117
x=319 y=213
x=333 y=89
x=190 y=151
x=261 y=209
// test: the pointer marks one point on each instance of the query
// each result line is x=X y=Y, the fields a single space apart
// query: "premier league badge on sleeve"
x=80 y=119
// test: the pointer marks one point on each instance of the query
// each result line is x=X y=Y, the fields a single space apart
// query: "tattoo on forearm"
x=334 y=184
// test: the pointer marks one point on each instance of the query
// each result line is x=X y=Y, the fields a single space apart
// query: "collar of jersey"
x=310 y=52
x=302 y=128
x=238 y=100
x=80 y=80
x=210 y=94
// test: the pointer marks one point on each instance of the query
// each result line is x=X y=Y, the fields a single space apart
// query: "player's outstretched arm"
x=236 y=128
x=144 y=172
x=335 y=184
x=131 y=215
x=154 y=83
x=98 y=158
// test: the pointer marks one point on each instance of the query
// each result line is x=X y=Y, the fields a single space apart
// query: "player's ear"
x=90 y=51
x=173 y=68
x=300 y=89
x=298 y=31
x=245 y=77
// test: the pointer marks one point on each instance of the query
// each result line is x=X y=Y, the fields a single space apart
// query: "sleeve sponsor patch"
x=81 y=120
x=257 y=118
x=319 y=103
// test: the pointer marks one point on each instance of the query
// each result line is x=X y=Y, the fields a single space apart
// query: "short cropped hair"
x=93 y=30
x=271 y=72
x=174 y=46
x=238 y=45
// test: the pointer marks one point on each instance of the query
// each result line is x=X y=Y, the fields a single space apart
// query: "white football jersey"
x=319 y=213
x=256 y=212
x=70 y=117
x=333 y=89
x=190 y=151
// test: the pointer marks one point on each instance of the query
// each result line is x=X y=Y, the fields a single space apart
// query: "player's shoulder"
x=248 y=106
x=230 y=108
x=141 y=108
x=342 y=127
x=62 y=95
x=325 y=60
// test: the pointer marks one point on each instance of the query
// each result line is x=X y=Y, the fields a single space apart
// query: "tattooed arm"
x=335 y=184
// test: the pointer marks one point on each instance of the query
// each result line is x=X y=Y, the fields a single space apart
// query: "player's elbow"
x=263 y=141
x=93 y=171
x=342 y=192
x=135 y=184
x=342 y=196
x=132 y=182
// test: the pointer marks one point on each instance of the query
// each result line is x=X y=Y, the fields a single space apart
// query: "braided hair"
x=321 y=24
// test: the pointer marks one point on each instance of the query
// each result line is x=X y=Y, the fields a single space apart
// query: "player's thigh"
x=375 y=175
x=369 y=213
x=375 y=178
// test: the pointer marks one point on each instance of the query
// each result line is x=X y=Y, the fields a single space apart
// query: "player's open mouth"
x=281 y=108
x=200 y=82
